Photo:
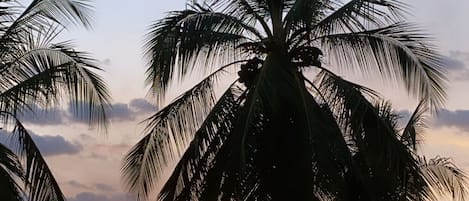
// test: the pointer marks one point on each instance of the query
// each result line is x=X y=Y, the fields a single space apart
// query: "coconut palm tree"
x=441 y=176
x=281 y=131
x=36 y=71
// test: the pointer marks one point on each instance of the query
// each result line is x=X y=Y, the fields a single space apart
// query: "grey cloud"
x=457 y=64
x=97 y=156
x=117 y=112
x=446 y=118
x=104 y=187
x=55 y=145
x=48 y=145
x=404 y=116
x=89 y=196
x=142 y=106
x=121 y=112
x=77 y=184
x=458 y=119
x=44 y=116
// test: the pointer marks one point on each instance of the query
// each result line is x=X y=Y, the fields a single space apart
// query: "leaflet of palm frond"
x=40 y=182
x=194 y=163
x=391 y=163
x=41 y=72
x=76 y=12
x=255 y=10
x=189 y=39
x=169 y=132
x=304 y=13
x=11 y=173
x=359 y=15
x=396 y=52
x=444 y=177
x=39 y=16
x=415 y=125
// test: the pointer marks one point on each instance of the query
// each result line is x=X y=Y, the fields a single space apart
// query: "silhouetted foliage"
x=278 y=133
x=38 y=72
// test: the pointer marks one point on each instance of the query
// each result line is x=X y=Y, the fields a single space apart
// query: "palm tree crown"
x=278 y=133
x=36 y=71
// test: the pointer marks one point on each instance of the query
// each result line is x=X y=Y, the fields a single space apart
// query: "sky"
x=86 y=163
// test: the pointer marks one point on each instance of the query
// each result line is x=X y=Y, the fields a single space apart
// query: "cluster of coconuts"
x=249 y=71
x=307 y=56
x=302 y=57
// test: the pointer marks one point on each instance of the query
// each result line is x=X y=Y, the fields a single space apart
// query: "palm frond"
x=40 y=74
x=63 y=12
x=444 y=178
x=188 y=39
x=359 y=15
x=39 y=17
x=415 y=125
x=397 y=52
x=194 y=164
x=168 y=133
x=41 y=184
x=374 y=138
x=10 y=173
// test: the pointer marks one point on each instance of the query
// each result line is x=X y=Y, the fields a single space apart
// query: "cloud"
x=458 y=119
x=43 y=116
x=118 y=112
x=56 y=145
x=121 y=112
x=49 y=145
x=457 y=64
x=89 y=196
x=77 y=184
x=141 y=105
x=104 y=187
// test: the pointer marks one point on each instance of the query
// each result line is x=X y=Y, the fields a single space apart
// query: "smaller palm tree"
x=441 y=176
x=37 y=72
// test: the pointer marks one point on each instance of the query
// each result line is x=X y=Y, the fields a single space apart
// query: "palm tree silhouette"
x=277 y=132
x=37 y=72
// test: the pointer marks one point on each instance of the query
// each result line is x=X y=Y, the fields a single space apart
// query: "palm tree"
x=440 y=175
x=37 y=72
x=278 y=132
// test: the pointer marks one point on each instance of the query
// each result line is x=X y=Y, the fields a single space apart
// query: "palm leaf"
x=189 y=39
x=197 y=159
x=374 y=138
x=444 y=178
x=168 y=133
x=397 y=52
x=40 y=74
x=415 y=125
x=41 y=184
x=10 y=172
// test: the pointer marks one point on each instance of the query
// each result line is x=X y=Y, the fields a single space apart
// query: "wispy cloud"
x=49 y=145
x=118 y=112
x=89 y=196
x=457 y=65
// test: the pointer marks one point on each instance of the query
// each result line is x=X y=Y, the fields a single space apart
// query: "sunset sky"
x=86 y=162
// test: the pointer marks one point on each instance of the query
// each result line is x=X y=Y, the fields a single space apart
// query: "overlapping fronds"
x=397 y=52
x=10 y=172
x=195 y=38
x=37 y=17
x=415 y=125
x=37 y=71
x=169 y=132
x=38 y=178
x=188 y=176
x=281 y=142
x=444 y=178
x=372 y=132
x=43 y=74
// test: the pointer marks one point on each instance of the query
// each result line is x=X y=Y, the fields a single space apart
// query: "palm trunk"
x=286 y=152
